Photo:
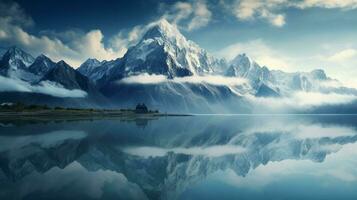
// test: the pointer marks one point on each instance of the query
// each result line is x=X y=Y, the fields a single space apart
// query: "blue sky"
x=281 y=34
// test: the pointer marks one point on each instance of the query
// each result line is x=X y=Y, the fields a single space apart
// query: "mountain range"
x=179 y=76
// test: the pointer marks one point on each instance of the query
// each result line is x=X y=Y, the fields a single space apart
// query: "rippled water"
x=198 y=157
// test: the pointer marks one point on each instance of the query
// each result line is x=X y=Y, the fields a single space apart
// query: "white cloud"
x=44 y=87
x=190 y=15
x=277 y=20
x=124 y=39
x=318 y=131
x=336 y=166
x=346 y=4
x=45 y=140
x=202 y=16
x=343 y=55
x=303 y=100
x=180 y=11
x=211 y=151
x=144 y=79
x=79 y=182
x=251 y=9
x=155 y=79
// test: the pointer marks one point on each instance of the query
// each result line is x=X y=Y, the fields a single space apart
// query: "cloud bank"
x=80 y=182
x=211 y=151
x=44 y=87
x=156 y=79
x=303 y=100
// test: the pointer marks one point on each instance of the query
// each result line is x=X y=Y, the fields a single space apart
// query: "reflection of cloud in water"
x=5 y=125
x=298 y=131
x=303 y=100
x=44 y=140
x=338 y=166
x=77 y=182
x=318 y=131
x=210 y=151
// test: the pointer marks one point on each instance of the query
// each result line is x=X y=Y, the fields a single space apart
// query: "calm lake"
x=194 y=157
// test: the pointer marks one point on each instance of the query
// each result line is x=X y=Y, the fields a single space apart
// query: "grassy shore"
x=19 y=110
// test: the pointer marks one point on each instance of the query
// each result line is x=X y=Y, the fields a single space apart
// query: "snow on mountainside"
x=282 y=82
x=88 y=66
x=68 y=77
x=95 y=70
x=41 y=81
x=15 y=63
x=2 y=51
x=15 y=54
x=164 y=50
x=41 y=65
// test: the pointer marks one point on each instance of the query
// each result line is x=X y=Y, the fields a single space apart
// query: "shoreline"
x=85 y=114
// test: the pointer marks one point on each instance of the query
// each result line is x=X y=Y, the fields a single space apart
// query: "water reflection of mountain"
x=169 y=154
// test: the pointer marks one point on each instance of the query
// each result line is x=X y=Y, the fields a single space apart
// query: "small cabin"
x=141 y=108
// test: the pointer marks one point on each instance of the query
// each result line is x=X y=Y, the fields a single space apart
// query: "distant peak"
x=321 y=71
x=319 y=74
x=243 y=55
x=15 y=50
x=15 y=53
x=42 y=57
x=92 y=61
x=62 y=63
x=241 y=58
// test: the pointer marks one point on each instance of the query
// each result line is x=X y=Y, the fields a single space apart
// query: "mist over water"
x=196 y=157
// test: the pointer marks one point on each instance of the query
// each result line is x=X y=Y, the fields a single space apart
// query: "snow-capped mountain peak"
x=164 y=50
x=91 y=62
x=163 y=29
x=319 y=74
x=65 y=75
x=15 y=54
x=88 y=66
x=95 y=70
x=241 y=59
x=15 y=63
x=243 y=66
x=41 y=65
x=277 y=80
